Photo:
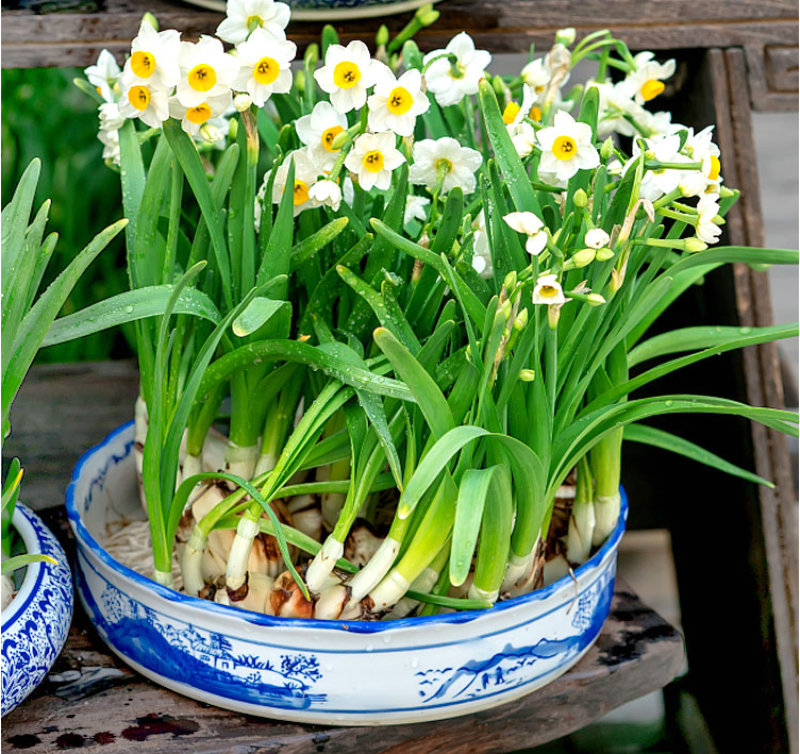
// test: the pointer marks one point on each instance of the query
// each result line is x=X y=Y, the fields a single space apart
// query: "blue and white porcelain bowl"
x=323 y=672
x=36 y=622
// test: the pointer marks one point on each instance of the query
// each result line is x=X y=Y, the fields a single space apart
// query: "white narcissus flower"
x=347 y=74
x=140 y=101
x=373 y=158
x=551 y=179
x=596 y=238
x=111 y=119
x=110 y=141
x=616 y=102
x=548 y=291
x=103 y=75
x=482 y=254
x=700 y=147
x=647 y=81
x=265 y=66
x=305 y=176
x=532 y=227
x=326 y=193
x=318 y=130
x=415 y=209
x=242 y=102
x=707 y=230
x=659 y=123
x=396 y=103
x=450 y=81
x=537 y=74
x=218 y=126
x=194 y=118
x=434 y=158
x=154 y=57
x=514 y=113
x=567 y=147
x=206 y=71
x=656 y=183
x=270 y=16
x=348 y=191
x=523 y=137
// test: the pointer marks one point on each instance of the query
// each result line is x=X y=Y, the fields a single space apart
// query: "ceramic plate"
x=343 y=10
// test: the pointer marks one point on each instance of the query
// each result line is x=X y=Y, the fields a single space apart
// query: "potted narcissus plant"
x=36 y=582
x=406 y=300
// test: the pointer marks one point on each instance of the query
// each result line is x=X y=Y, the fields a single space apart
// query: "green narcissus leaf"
x=257 y=313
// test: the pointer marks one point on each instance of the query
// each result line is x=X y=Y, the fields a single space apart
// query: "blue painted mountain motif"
x=509 y=668
x=98 y=484
x=178 y=651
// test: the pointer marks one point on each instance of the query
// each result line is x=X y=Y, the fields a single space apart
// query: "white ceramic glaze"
x=36 y=622
x=325 y=672
x=334 y=10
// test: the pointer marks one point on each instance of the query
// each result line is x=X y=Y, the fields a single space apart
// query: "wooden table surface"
x=92 y=699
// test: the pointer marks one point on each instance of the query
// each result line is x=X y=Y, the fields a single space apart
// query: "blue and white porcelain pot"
x=323 y=672
x=36 y=622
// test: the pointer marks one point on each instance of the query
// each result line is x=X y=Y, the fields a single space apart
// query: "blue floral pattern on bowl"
x=36 y=623
x=324 y=672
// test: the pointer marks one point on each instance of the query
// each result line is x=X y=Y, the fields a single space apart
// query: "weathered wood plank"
x=778 y=507
x=637 y=652
x=735 y=543
x=61 y=411
x=772 y=74
x=75 y=39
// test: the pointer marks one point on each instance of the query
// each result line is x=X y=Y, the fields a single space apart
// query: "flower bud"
x=565 y=36
x=211 y=133
x=527 y=375
x=382 y=37
x=607 y=150
x=579 y=199
x=580 y=259
x=510 y=283
x=340 y=140
x=594 y=299
x=300 y=80
x=499 y=87
x=233 y=128
x=149 y=19
x=603 y=255
x=522 y=320
x=311 y=58
x=694 y=244
x=560 y=59
x=726 y=193
x=242 y=102
x=429 y=18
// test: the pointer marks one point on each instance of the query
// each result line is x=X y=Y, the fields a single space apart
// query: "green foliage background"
x=44 y=115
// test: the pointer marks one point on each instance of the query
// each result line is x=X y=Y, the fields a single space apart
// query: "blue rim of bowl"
x=85 y=538
x=37 y=572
